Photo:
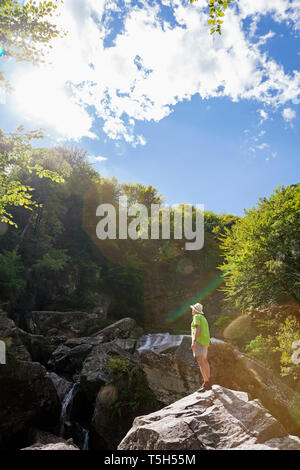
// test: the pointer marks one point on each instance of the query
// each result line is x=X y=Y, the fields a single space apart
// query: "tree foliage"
x=25 y=30
x=217 y=10
x=261 y=252
x=67 y=266
x=16 y=151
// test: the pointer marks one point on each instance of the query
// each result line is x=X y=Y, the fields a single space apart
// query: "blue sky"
x=155 y=99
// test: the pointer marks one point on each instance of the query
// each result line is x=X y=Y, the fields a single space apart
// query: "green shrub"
x=288 y=333
x=136 y=394
x=222 y=321
x=262 y=348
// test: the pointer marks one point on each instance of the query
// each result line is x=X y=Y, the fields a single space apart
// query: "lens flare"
x=2 y=51
x=205 y=292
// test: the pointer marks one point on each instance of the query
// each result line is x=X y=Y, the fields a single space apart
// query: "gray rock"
x=124 y=328
x=173 y=375
x=40 y=347
x=69 y=324
x=102 y=304
x=10 y=335
x=61 y=385
x=120 y=398
x=68 y=358
x=63 y=445
x=168 y=377
x=96 y=369
x=27 y=397
x=218 y=419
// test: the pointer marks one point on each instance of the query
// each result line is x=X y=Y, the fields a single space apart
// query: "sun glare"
x=40 y=97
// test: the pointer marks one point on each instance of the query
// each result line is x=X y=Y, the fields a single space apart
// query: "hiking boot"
x=204 y=387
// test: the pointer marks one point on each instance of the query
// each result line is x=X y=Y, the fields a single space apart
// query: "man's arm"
x=197 y=333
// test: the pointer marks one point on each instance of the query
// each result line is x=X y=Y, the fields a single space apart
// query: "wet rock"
x=62 y=386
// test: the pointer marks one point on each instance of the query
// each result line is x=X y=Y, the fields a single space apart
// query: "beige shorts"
x=201 y=350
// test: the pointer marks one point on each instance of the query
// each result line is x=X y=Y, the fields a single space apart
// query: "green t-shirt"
x=204 y=336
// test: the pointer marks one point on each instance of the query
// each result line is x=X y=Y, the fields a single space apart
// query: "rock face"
x=62 y=386
x=96 y=369
x=40 y=347
x=217 y=419
x=69 y=357
x=122 y=329
x=174 y=374
x=102 y=304
x=169 y=378
x=69 y=324
x=10 y=335
x=27 y=396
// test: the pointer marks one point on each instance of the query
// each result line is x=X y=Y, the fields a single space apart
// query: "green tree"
x=261 y=252
x=25 y=30
x=16 y=151
x=11 y=274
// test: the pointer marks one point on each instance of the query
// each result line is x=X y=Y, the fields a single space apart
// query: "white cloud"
x=94 y=159
x=262 y=146
x=263 y=114
x=288 y=114
x=141 y=72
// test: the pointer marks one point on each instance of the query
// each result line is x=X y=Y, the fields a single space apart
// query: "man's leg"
x=204 y=367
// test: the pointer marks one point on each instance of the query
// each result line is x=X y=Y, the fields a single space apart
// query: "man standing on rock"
x=200 y=343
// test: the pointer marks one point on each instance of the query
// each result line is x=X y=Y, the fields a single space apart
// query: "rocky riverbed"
x=86 y=387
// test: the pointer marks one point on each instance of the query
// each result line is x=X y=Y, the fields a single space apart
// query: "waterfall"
x=85 y=439
x=65 y=410
x=160 y=342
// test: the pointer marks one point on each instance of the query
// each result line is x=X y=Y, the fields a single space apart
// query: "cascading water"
x=85 y=440
x=66 y=410
x=160 y=342
x=81 y=435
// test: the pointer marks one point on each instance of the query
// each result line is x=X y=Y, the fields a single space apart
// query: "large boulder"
x=69 y=357
x=97 y=370
x=217 y=419
x=10 y=335
x=69 y=324
x=116 y=407
x=122 y=329
x=40 y=347
x=174 y=373
x=27 y=396
x=169 y=377
x=114 y=385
